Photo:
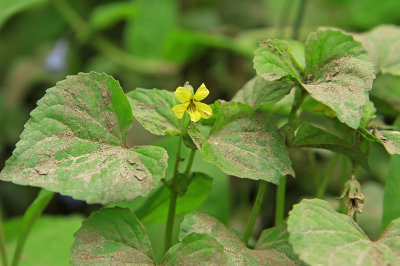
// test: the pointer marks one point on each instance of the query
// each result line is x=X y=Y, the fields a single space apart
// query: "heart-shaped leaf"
x=74 y=143
x=244 y=145
x=322 y=236
x=235 y=249
x=152 y=108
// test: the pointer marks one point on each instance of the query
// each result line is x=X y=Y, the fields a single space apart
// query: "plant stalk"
x=283 y=19
x=299 y=20
x=345 y=175
x=280 y=201
x=255 y=211
x=2 y=242
x=31 y=215
x=327 y=177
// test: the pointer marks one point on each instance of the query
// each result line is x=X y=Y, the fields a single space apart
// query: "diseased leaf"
x=235 y=249
x=276 y=238
x=273 y=61
x=383 y=46
x=389 y=139
x=112 y=236
x=321 y=236
x=196 y=249
x=155 y=208
x=313 y=137
x=152 y=108
x=244 y=145
x=259 y=92
x=10 y=8
x=391 y=208
x=74 y=143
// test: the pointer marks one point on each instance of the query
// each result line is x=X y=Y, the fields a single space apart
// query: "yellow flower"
x=191 y=103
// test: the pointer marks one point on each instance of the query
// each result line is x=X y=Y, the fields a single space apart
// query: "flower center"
x=191 y=107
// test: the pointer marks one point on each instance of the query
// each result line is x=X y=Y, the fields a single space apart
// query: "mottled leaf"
x=391 y=208
x=235 y=249
x=322 y=236
x=276 y=238
x=74 y=143
x=383 y=46
x=112 y=236
x=198 y=249
x=155 y=209
x=273 y=60
x=244 y=145
x=313 y=137
x=389 y=139
x=259 y=92
x=152 y=108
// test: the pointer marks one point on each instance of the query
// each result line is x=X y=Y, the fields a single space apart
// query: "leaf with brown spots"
x=245 y=145
x=322 y=236
x=234 y=248
x=74 y=143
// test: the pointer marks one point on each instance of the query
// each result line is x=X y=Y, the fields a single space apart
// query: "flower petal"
x=204 y=109
x=183 y=95
x=201 y=93
x=179 y=110
x=194 y=114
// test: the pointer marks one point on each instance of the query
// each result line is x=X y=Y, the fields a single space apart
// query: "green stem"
x=31 y=215
x=345 y=176
x=327 y=177
x=299 y=20
x=190 y=162
x=107 y=48
x=280 y=201
x=256 y=209
x=299 y=97
x=283 y=19
x=2 y=242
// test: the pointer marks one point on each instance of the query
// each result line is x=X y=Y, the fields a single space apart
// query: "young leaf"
x=112 y=236
x=276 y=238
x=273 y=61
x=155 y=208
x=338 y=74
x=152 y=108
x=74 y=143
x=244 y=145
x=235 y=249
x=313 y=137
x=391 y=208
x=196 y=249
x=383 y=46
x=259 y=92
x=322 y=236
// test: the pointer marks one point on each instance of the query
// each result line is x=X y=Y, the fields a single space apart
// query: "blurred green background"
x=161 y=44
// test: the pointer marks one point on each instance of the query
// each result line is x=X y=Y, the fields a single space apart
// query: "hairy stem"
x=299 y=20
x=280 y=201
x=327 y=177
x=255 y=211
x=31 y=215
x=2 y=242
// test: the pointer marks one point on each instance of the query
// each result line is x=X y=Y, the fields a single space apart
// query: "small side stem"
x=345 y=175
x=190 y=162
x=299 y=20
x=256 y=209
x=327 y=177
x=2 y=242
x=280 y=201
x=31 y=215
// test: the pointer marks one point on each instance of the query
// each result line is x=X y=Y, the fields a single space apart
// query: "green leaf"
x=155 y=208
x=244 y=145
x=197 y=249
x=338 y=74
x=313 y=137
x=10 y=8
x=382 y=44
x=276 y=238
x=389 y=139
x=235 y=249
x=112 y=236
x=152 y=108
x=391 y=208
x=273 y=60
x=55 y=235
x=106 y=15
x=319 y=235
x=146 y=34
x=259 y=92
x=369 y=112
x=386 y=94
x=74 y=143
